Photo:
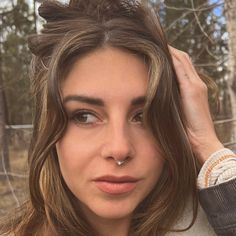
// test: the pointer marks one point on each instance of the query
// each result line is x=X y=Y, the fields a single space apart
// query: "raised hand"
x=193 y=90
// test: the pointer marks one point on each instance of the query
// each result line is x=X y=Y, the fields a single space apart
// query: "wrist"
x=219 y=167
x=204 y=150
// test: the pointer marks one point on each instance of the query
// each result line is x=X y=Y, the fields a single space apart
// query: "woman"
x=117 y=135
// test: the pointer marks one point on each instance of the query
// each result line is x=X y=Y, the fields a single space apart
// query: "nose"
x=118 y=144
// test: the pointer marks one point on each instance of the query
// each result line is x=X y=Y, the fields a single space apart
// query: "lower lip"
x=115 y=188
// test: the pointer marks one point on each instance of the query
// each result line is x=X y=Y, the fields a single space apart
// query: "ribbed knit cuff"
x=220 y=167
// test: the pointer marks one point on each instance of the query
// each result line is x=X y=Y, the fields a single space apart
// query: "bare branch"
x=229 y=144
x=224 y=121
x=210 y=64
x=175 y=21
x=210 y=53
x=195 y=9
x=199 y=24
x=182 y=31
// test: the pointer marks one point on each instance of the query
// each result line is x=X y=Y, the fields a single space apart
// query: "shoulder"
x=220 y=206
x=200 y=227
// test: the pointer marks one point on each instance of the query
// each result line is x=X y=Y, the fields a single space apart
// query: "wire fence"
x=226 y=130
x=13 y=187
x=13 y=180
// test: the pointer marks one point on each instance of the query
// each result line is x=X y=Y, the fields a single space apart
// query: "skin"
x=201 y=132
x=115 y=132
x=110 y=129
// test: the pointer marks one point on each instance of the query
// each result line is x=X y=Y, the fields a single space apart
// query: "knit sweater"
x=201 y=226
x=218 y=169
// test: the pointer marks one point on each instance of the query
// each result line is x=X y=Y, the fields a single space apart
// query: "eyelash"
x=138 y=114
x=85 y=113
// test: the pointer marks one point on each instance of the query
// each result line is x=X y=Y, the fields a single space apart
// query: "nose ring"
x=120 y=163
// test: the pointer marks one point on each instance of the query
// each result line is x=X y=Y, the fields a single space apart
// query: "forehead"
x=107 y=72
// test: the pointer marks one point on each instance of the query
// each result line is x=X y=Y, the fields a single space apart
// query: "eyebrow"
x=138 y=101
x=98 y=101
x=84 y=99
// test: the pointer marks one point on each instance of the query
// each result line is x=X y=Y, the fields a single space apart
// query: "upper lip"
x=116 y=179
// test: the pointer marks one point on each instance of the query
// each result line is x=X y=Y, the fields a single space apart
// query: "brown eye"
x=138 y=118
x=84 y=118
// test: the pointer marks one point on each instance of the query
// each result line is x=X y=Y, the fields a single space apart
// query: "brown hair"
x=70 y=32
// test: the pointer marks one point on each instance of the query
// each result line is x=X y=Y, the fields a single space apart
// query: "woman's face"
x=104 y=96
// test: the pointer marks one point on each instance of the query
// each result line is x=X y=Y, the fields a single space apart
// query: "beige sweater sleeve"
x=220 y=167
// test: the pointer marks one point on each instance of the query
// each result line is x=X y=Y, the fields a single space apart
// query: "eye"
x=138 y=118
x=84 y=118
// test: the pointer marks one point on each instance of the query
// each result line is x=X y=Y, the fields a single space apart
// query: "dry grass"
x=13 y=190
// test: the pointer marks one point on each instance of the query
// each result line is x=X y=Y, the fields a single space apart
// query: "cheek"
x=72 y=156
x=151 y=159
x=77 y=156
x=72 y=150
x=148 y=149
x=73 y=164
x=155 y=165
x=154 y=170
x=66 y=151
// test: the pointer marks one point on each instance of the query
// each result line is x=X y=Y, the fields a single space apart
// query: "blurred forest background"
x=205 y=29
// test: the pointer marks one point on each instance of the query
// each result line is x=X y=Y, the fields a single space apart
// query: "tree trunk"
x=4 y=154
x=35 y=16
x=230 y=14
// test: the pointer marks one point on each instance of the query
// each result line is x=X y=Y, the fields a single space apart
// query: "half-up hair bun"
x=99 y=9
x=54 y=11
x=58 y=16
x=105 y=9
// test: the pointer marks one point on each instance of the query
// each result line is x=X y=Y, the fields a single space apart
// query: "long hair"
x=70 y=32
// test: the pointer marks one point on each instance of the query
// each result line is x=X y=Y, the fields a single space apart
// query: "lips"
x=116 y=184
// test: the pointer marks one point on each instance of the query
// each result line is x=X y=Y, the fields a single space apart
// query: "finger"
x=182 y=76
x=186 y=61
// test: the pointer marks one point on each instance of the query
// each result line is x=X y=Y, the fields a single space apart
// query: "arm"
x=217 y=191
x=217 y=188
x=219 y=204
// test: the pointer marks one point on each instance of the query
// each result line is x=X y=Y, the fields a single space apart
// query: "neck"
x=116 y=227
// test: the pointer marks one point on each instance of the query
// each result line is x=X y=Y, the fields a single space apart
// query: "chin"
x=111 y=209
x=111 y=214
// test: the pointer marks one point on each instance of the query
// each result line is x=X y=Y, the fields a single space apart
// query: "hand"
x=194 y=95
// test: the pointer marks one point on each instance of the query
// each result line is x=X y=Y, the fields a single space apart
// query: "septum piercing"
x=120 y=163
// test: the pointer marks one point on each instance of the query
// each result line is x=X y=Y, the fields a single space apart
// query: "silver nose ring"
x=120 y=163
